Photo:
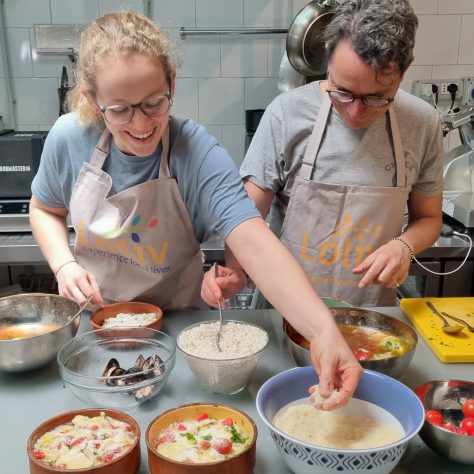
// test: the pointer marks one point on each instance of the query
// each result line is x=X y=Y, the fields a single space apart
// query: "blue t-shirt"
x=206 y=175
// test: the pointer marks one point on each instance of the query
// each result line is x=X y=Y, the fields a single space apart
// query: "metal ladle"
x=447 y=328
x=82 y=308
x=219 y=331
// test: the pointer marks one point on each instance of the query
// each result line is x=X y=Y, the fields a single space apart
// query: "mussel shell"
x=159 y=366
x=143 y=393
x=114 y=373
x=111 y=365
x=139 y=362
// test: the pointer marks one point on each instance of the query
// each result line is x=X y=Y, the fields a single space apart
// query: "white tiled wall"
x=220 y=76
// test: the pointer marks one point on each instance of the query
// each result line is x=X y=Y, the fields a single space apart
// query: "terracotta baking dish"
x=242 y=463
x=128 y=463
x=134 y=307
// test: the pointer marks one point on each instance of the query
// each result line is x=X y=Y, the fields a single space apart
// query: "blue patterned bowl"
x=397 y=402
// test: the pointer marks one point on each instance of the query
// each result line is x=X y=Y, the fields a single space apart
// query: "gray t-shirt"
x=207 y=178
x=362 y=157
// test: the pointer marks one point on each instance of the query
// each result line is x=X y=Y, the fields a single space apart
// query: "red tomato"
x=228 y=422
x=468 y=425
x=37 y=454
x=222 y=446
x=107 y=457
x=434 y=417
x=449 y=426
x=204 y=444
x=461 y=431
x=362 y=354
x=468 y=408
x=202 y=416
x=181 y=427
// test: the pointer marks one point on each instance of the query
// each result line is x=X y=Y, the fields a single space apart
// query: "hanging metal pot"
x=305 y=46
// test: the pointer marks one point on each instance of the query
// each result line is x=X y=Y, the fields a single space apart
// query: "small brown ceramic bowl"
x=128 y=307
x=242 y=463
x=128 y=462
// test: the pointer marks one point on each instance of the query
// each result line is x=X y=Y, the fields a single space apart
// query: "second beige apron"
x=330 y=228
x=138 y=243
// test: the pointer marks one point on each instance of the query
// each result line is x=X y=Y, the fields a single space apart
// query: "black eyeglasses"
x=123 y=113
x=368 y=100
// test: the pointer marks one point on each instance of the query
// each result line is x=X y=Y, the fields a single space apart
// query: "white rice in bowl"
x=129 y=319
x=226 y=371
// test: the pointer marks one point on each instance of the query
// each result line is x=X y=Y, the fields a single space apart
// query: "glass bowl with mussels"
x=121 y=367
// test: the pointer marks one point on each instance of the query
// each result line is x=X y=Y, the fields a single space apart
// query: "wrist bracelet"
x=64 y=264
x=406 y=244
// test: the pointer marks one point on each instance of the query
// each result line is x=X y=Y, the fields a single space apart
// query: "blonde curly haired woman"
x=143 y=188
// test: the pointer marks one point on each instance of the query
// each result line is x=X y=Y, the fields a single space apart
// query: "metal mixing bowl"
x=393 y=366
x=447 y=396
x=18 y=355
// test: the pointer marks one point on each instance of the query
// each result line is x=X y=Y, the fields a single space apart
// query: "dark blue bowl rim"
x=272 y=427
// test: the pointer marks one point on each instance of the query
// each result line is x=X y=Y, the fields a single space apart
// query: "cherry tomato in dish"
x=228 y=422
x=223 y=446
x=38 y=454
x=461 y=431
x=434 y=417
x=468 y=425
x=449 y=426
x=202 y=416
x=362 y=354
x=468 y=408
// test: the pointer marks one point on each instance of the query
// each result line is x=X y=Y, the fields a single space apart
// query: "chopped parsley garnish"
x=189 y=436
x=236 y=438
x=207 y=437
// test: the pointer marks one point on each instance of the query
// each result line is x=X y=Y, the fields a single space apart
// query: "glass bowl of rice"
x=228 y=370
x=127 y=313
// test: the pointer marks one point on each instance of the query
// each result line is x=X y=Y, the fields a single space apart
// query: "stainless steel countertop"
x=28 y=399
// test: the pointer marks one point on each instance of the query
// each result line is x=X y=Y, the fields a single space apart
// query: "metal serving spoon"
x=459 y=320
x=219 y=331
x=448 y=328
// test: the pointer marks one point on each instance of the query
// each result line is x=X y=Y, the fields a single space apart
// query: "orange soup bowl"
x=99 y=316
x=241 y=463
x=127 y=462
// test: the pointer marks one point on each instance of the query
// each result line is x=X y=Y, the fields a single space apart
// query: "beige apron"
x=138 y=243
x=332 y=228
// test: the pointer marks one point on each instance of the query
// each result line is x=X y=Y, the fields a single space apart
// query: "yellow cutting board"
x=448 y=347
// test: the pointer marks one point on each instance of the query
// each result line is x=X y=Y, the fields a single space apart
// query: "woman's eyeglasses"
x=123 y=113
x=369 y=100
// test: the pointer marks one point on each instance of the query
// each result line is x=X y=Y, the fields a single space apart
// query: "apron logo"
x=348 y=245
x=132 y=230
x=111 y=245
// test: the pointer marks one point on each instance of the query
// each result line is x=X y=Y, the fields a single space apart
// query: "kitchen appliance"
x=20 y=154
x=447 y=347
x=458 y=169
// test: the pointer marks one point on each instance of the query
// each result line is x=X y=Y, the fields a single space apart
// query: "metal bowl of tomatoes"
x=449 y=418
x=380 y=342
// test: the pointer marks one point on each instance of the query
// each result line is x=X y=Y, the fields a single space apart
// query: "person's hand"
x=77 y=283
x=337 y=367
x=388 y=266
x=229 y=282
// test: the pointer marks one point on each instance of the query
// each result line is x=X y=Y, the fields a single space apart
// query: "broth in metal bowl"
x=33 y=327
x=379 y=342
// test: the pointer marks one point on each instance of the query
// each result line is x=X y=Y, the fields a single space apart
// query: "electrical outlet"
x=468 y=96
x=423 y=89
